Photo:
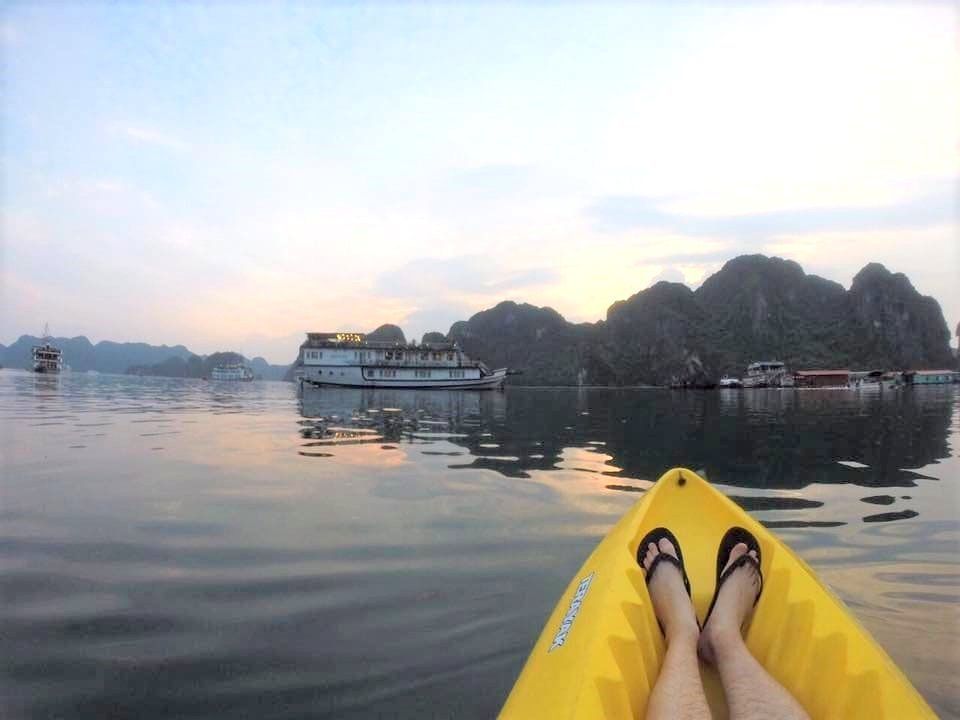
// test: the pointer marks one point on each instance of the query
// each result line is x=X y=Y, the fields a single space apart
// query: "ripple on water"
x=228 y=577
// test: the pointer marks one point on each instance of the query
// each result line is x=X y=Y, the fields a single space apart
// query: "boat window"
x=449 y=356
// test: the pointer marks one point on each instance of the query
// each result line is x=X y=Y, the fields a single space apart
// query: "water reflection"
x=761 y=439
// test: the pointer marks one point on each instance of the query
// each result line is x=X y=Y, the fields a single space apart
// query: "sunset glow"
x=230 y=176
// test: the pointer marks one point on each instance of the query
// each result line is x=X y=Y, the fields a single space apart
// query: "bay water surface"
x=189 y=549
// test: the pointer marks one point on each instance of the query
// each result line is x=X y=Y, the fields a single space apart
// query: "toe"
x=649 y=556
x=667 y=547
x=738 y=550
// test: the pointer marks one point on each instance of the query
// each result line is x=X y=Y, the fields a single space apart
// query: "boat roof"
x=814 y=373
x=353 y=339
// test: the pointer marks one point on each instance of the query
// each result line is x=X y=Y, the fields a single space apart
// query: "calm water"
x=174 y=548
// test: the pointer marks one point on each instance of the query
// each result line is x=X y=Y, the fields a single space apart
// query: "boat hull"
x=604 y=660
x=491 y=381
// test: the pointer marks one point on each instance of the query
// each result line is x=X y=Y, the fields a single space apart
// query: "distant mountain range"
x=754 y=308
x=139 y=358
x=197 y=366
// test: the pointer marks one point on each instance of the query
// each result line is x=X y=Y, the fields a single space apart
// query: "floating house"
x=931 y=377
x=822 y=378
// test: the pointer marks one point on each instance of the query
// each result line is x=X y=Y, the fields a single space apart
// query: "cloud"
x=845 y=125
x=690 y=258
x=669 y=274
x=462 y=275
x=935 y=206
x=149 y=136
x=8 y=34
x=436 y=317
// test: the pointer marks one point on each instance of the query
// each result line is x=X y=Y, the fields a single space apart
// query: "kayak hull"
x=601 y=649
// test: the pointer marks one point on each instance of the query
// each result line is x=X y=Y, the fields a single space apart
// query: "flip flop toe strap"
x=665 y=557
x=745 y=559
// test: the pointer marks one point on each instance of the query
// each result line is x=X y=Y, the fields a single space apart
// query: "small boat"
x=727 y=382
x=600 y=652
x=764 y=374
x=232 y=372
x=47 y=358
x=867 y=381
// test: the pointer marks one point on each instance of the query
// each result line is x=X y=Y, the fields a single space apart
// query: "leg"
x=751 y=693
x=677 y=693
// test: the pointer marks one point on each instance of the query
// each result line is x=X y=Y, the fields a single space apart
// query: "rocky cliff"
x=200 y=366
x=548 y=349
x=754 y=308
x=387 y=333
x=897 y=327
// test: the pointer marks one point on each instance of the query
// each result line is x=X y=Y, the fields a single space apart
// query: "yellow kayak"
x=601 y=649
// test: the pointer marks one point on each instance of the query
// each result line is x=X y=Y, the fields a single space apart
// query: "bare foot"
x=734 y=605
x=670 y=600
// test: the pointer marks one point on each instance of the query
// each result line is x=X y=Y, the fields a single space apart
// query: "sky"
x=232 y=175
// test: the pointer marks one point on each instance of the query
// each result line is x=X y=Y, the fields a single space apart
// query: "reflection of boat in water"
x=344 y=414
x=232 y=372
x=349 y=359
x=347 y=402
x=47 y=358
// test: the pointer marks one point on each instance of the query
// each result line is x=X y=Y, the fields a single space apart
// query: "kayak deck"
x=600 y=652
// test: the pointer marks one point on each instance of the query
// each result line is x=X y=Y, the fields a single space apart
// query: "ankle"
x=683 y=634
x=723 y=639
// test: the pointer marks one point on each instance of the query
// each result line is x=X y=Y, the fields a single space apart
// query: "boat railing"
x=419 y=362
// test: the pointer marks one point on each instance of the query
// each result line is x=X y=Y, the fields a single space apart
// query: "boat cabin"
x=353 y=349
x=764 y=367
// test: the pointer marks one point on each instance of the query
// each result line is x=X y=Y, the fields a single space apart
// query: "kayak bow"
x=600 y=652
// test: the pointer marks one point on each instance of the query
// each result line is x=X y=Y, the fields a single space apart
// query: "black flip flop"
x=734 y=536
x=655 y=536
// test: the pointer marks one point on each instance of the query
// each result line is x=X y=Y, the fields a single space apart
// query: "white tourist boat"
x=730 y=383
x=349 y=359
x=767 y=373
x=232 y=372
x=47 y=358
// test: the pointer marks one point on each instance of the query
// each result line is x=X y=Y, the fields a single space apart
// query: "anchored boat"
x=349 y=359
x=601 y=650
x=232 y=372
x=767 y=373
x=47 y=358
